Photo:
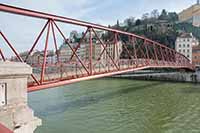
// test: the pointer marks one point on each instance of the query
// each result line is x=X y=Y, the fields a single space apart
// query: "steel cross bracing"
x=101 y=56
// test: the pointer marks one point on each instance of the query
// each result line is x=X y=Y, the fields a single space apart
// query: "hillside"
x=163 y=27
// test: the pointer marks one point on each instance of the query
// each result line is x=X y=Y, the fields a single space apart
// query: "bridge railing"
x=101 y=51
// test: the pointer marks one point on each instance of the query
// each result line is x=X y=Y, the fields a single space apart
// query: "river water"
x=118 y=106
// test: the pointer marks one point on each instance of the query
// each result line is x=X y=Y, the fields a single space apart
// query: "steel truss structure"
x=116 y=54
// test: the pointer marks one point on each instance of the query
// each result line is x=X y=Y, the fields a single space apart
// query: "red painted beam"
x=4 y=129
x=66 y=82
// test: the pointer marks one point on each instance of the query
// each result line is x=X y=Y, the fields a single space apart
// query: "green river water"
x=118 y=106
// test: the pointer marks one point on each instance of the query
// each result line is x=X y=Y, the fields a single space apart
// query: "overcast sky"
x=21 y=31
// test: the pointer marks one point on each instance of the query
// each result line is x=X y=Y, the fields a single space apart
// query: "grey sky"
x=21 y=31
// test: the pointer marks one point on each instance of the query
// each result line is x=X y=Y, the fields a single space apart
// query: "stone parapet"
x=14 y=111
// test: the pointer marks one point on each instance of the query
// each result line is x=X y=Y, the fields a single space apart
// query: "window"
x=184 y=45
x=183 y=50
x=188 y=39
x=188 y=45
x=188 y=50
x=179 y=45
x=179 y=50
x=188 y=56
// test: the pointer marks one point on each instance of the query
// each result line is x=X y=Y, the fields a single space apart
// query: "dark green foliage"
x=186 y=27
x=138 y=22
x=163 y=15
x=163 y=29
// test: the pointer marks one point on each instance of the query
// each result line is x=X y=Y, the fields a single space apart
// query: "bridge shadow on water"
x=93 y=99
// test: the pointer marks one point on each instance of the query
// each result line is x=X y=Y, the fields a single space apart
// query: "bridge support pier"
x=15 y=113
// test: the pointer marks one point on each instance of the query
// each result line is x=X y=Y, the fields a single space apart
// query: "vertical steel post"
x=171 y=56
x=45 y=55
x=90 y=51
x=147 y=52
x=114 y=49
x=135 y=52
x=155 y=52
x=117 y=56
x=167 y=56
x=55 y=42
x=163 y=59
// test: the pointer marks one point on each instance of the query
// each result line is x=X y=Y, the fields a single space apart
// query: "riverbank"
x=189 y=77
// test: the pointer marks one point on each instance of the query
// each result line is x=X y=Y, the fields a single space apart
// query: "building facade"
x=191 y=15
x=196 y=56
x=184 y=44
x=84 y=51
x=64 y=53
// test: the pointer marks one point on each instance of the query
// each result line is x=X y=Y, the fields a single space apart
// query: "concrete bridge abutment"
x=15 y=114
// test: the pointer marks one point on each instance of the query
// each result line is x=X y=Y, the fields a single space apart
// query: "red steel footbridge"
x=98 y=52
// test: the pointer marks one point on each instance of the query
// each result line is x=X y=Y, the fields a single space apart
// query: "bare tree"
x=130 y=21
x=145 y=16
x=155 y=14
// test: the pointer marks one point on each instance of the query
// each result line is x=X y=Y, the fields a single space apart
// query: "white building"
x=184 y=44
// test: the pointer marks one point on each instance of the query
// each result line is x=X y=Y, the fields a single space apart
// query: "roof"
x=41 y=53
x=185 y=35
x=64 y=46
x=196 y=48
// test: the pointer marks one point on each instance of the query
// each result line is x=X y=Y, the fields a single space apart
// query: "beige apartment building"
x=84 y=51
x=191 y=15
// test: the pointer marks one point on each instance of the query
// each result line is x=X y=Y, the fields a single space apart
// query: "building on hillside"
x=161 y=26
x=196 y=55
x=38 y=57
x=23 y=56
x=35 y=59
x=51 y=57
x=83 y=51
x=114 y=51
x=191 y=15
x=184 y=44
x=64 y=53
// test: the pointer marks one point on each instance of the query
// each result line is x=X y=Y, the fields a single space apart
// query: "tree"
x=138 y=22
x=130 y=21
x=155 y=14
x=173 y=16
x=145 y=16
x=163 y=15
x=117 y=25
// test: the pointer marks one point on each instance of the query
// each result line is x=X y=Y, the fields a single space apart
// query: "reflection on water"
x=116 y=106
